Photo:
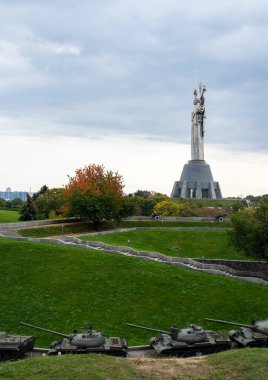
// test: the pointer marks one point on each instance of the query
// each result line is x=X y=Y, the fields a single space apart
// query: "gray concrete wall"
x=36 y=223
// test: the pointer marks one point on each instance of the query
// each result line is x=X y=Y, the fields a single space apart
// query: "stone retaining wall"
x=215 y=268
x=209 y=267
x=246 y=266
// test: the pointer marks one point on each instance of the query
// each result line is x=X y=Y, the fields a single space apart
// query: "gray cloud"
x=100 y=67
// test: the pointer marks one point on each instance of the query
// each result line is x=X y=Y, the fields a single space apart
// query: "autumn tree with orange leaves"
x=96 y=193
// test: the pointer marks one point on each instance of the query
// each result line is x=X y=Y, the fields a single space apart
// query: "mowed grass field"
x=89 y=227
x=212 y=244
x=7 y=216
x=64 y=288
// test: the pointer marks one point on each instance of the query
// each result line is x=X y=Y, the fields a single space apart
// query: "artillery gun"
x=192 y=340
x=13 y=347
x=254 y=335
x=90 y=341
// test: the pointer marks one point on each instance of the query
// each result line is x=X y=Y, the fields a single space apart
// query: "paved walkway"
x=9 y=233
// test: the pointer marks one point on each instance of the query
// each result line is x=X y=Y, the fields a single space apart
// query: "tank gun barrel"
x=228 y=323
x=47 y=330
x=148 y=328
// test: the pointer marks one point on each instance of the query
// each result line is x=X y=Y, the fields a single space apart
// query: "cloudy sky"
x=111 y=82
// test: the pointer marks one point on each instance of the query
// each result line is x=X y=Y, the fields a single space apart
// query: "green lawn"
x=212 y=244
x=7 y=216
x=63 y=288
x=249 y=364
x=89 y=227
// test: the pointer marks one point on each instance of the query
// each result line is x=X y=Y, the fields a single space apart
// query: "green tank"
x=89 y=341
x=13 y=347
x=254 y=335
x=192 y=340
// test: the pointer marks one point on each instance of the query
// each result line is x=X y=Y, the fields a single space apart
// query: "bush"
x=250 y=230
x=166 y=208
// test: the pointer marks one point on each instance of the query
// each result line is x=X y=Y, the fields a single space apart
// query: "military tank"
x=192 y=340
x=90 y=341
x=254 y=335
x=13 y=347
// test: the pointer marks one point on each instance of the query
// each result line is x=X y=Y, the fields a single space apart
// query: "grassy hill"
x=250 y=364
x=63 y=288
x=89 y=227
x=213 y=244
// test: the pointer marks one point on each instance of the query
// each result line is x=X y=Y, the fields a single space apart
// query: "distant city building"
x=9 y=195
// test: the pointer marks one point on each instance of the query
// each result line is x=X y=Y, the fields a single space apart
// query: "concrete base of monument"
x=196 y=181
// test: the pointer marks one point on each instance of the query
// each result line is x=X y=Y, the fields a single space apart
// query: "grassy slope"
x=8 y=216
x=64 y=287
x=239 y=364
x=210 y=244
x=88 y=227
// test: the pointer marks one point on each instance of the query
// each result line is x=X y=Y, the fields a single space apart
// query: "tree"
x=28 y=211
x=146 y=200
x=147 y=206
x=129 y=206
x=3 y=202
x=187 y=207
x=50 y=203
x=96 y=193
x=43 y=189
x=143 y=194
x=16 y=202
x=166 y=208
x=250 y=230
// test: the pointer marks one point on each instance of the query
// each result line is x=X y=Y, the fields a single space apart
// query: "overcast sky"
x=111 y=82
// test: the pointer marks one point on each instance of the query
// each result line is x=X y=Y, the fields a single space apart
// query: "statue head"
x=202 y=87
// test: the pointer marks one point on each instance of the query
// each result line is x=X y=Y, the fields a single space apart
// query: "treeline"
x=97 y=194
x=250 y=229
x=14 y=204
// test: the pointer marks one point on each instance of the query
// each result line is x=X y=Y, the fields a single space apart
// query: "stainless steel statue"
x=198 y=116
x=196 y=180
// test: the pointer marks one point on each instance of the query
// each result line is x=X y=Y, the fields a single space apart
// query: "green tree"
x=147 y=206
x=143 y=194
x=3 y=202
x=50 y=203
x=166 y=208
x=28 y=211
x=159 y=197
x=43 y=189
x=129 y=206
x=187 y=207
x=96 y=193
x=146 y=201
x=16 y=202
x=250 y=230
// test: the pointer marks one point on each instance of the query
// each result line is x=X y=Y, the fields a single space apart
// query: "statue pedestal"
x=196 y=181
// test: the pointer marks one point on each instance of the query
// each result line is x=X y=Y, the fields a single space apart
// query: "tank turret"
x=248 y=335
x=85 y=342
x=188 y=341
x=192 y=333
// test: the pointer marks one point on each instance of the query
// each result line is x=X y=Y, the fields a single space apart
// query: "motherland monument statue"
x=196 y=180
